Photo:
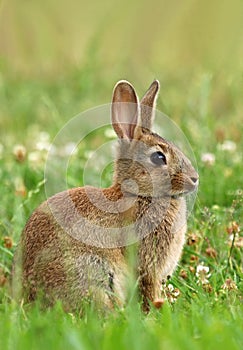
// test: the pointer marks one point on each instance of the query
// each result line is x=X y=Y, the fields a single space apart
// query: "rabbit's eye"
x=158 y=158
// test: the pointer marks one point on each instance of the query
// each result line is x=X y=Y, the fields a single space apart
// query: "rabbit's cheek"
x=165 y=182
x=178 y=184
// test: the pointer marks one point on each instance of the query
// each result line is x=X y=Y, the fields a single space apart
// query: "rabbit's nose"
x=195 y=180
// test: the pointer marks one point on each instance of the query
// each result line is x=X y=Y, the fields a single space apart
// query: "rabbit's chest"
x=178 y=232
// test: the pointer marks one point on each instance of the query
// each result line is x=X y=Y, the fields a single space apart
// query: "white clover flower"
x=238 y=240
x=172 y=293
x=19 y=152
x=35 y=159
x=229 y=285
x=44 y=136
x=208 y=158
x=170 y=287
x=176 y=293
x=202 y=273
x=228 y=146
x=231 y=237
x=69 y=149
x=202 y=268
x=110 y=133
x=43 y=142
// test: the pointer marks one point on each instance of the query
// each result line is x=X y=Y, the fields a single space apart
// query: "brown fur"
x=55 y=257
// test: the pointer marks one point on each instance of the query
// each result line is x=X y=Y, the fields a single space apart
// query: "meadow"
x=55 y=67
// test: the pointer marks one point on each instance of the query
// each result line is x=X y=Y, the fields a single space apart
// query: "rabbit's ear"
x=148 y=104
x=124 y=110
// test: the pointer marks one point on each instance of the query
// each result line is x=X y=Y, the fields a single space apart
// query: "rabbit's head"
x=147 y=164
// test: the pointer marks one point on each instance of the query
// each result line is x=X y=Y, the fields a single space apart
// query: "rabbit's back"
x=56 y=263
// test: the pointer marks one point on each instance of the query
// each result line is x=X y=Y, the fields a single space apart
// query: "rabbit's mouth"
x=183 y=194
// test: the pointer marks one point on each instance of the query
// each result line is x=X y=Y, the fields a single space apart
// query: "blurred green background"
x=135 y=38
x=67 y=55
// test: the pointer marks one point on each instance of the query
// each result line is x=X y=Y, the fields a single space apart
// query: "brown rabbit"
x=73 y=247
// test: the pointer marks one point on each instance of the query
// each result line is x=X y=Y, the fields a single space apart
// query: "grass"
x=205 y=100
x=173 y=329
x=203 y=316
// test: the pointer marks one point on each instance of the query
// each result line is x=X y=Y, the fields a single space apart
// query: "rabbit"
x=55 y=258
